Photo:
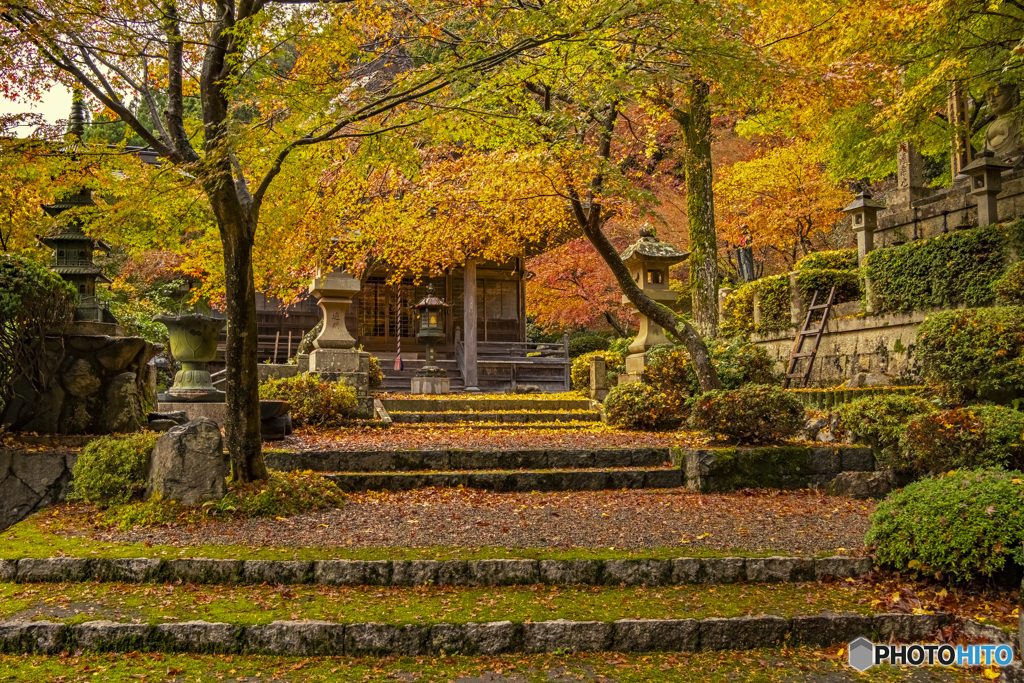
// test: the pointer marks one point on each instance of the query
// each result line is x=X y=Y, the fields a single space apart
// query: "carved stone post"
x=334 y=356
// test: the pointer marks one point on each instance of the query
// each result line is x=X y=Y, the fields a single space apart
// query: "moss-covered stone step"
x=505 y=481
x=516 y=417
x=649 y=572
x=323 y=638
x=427 y=405
x=718 y=470
x=392 y=460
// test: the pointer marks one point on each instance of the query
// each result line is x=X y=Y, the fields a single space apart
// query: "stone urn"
x=193 y=344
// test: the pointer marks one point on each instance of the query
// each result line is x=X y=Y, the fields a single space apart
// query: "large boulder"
x=863 y=484
x=189 y=464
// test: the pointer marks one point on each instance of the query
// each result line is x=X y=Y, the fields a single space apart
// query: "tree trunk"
x=242 y=426
x=676 y=327
x=700 y=209
x=615 y=324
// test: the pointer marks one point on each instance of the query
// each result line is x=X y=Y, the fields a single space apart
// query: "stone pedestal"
x=431 y=384
x=348 y=365
x=334 y=292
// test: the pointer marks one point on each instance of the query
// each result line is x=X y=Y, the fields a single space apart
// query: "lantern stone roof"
x=431 y=299
x=650 y=248
x=864 y=200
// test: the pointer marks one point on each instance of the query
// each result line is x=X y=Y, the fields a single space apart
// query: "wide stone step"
x=533 y=426
x=392 y=460
x=481 y=416
x=482 y=404
x=514 y=481
x=495 y=572
x=322 y=638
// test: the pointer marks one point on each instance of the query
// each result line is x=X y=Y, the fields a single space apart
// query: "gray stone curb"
x=316 y=638
x=512 y=482
x=498 y=572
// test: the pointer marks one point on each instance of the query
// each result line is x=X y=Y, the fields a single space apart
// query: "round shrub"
x=973 y=352
x=586 y=343
x=376 y=374
x=112 y=470
x=880 y=420
x=838 y=259
x=579 y=371
x=752 y=414
x=637 y=406
x=966 y=524
x=314 y=401
x=979 y=436
x=1010 y=288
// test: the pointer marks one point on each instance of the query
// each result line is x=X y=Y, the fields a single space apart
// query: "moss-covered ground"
x=246 y=605
x=799 y=664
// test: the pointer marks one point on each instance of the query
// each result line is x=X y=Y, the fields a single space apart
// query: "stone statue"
x=1003 y=136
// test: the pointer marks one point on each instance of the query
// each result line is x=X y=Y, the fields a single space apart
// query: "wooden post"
x=469 y=321
x=277 y=338
x=568 y=369
x=289 y=354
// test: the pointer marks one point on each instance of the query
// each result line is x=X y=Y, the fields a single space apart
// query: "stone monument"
x=649 y=260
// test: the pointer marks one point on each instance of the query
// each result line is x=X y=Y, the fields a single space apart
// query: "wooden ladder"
x=798 y=343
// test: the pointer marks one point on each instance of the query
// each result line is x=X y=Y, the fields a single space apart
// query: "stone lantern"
x=333 y=346
x=986 y=174
x=864 y=216
x=431 y=378
x=649 y=260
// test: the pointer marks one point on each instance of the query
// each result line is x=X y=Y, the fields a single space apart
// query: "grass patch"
x=249 y=605
x=790 y=664
x=284 y=494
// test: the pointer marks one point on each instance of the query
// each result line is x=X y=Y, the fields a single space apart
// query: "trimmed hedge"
x=847 y=283
x=839 y=259
x=973 y=352
x=978 y=436
x=587 y=342
x=313 y=401
x=880 y=421
x=753 y=414
x=956 y=269
x=579 y=371
x=966 y=524
x=638 y=406
x=1010 y=288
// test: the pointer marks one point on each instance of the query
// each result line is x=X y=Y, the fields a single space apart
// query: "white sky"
x=54 y=105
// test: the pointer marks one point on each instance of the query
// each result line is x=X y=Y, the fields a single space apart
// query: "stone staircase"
x=493 y=413
x=401 y=380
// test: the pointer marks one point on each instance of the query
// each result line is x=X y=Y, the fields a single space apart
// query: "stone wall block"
x=906 y=627
x=857 y=459
x=636 y=572
x=453 y=573
x=17 y=501
x=204 y=570
x=723 y=570
x=274 y=572
x=189 y=464
x=570 y=572
x=414 y=572
x=351 y=573
x=200 y=637
x=504 y=572
x=122 y=408
x=494 y=638
x=306 y=638
x=372 y=638
x=8 y=570
x=80 y=379
x=567 y=636
x=824 y=630
x=779 y=569
x=55 y=570
x=110 y=636
x=649 y=635
x=448 y=639
x=39 y=470
x=841 y=567
x=825 y=461
x=685 y=570
x=742 y=633
x=34 y=637
x=127 y=569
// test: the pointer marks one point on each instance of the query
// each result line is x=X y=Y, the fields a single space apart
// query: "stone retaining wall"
x=514 y=482
x=316 y=638
x=783 y=467
x=31 y=480
x=384 y=461
x=676 y=571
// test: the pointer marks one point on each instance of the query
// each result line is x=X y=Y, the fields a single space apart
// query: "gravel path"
x=789 y=522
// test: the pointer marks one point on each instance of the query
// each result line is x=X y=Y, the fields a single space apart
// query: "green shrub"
x=637 y=406
x=1010 y=288
x=959 y=268
x=739 y=312
x=33 y=302
x=376 y=374
x=579 y=371
x=753 y=414
x=620 y=345
x=846 y=282
x=736 y=360
x=880 y=420
x=973 y=352
x=113 y=470
x=966 y=524
x=282 y=495
x=979 y=436
x=586 y=343
x=314 y=401
x=839 y=259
